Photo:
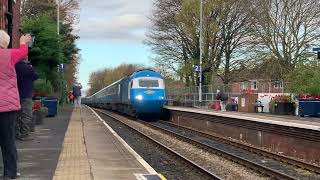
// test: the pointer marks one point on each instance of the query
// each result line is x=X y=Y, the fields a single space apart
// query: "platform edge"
x=135 y=154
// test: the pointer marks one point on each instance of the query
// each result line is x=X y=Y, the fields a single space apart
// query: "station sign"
x=316 y=49
x=197 y=68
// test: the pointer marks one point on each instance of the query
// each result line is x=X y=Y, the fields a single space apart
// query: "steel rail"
x=261 y=168
x=285 y=159
x=183 y=158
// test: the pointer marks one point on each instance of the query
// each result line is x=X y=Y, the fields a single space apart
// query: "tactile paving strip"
x=73 y=161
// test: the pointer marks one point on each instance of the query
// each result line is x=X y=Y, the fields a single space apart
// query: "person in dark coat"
x=77 y=94
x=25 y=77
x=223 y=99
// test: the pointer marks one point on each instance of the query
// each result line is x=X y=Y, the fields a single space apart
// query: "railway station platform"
x=78 y=145
x=284 y=120
x=92 y=150
x=38 y=157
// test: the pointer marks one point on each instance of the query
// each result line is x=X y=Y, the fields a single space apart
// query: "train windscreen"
x=148 y=83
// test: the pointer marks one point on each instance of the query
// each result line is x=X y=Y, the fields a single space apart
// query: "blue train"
x=140 y=94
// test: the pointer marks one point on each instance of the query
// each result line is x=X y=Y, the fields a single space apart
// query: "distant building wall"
x=258 y=86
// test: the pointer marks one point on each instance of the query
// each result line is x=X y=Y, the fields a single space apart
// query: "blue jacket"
x=25 y=78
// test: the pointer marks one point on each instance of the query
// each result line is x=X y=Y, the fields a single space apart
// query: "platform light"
x=139 y=97
x=201 y=51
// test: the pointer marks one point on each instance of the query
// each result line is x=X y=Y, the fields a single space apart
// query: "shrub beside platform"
x=284 y=108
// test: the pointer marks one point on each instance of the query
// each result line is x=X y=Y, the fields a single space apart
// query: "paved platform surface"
x=291 y=121
x=92 y=150
x=37 y=159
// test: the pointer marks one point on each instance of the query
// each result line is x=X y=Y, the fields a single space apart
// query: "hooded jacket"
x=9 y=94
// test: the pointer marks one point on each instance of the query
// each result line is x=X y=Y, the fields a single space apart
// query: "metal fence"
x=189 y=96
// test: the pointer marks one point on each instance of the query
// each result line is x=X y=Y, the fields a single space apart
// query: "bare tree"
x=229 y=43
x=68 y=9
x=286 y=29
x=175 y=34
x=165 y=37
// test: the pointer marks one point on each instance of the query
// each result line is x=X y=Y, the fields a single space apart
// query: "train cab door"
x=124 y=93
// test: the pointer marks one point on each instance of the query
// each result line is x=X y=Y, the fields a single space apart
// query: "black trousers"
x=7 y=143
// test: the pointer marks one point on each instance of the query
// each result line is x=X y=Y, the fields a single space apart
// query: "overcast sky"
x=111 y=32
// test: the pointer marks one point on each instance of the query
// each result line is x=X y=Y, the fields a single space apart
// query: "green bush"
x=43 y=86
x=305 y=78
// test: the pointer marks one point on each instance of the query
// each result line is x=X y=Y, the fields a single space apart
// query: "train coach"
x=140 y=94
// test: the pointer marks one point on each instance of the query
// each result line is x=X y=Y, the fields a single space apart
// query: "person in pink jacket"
x=9 y=100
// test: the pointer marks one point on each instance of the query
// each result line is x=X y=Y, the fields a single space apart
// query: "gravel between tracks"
x=222 y=167
x=160 y=161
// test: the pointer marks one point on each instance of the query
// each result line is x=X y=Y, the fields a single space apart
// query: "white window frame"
x=135 y=82
x=254 y=83
x=278 y=85
x=129 y=88
x=244 y=85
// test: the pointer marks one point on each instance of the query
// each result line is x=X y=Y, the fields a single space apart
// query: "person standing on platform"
x=77 y=94
x=223 y=100
x=9 y=101
x=25 y=76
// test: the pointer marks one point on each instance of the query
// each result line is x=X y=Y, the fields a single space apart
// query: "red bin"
x=217 y=105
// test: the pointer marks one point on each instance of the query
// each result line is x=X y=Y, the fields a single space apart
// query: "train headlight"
x=139 y=97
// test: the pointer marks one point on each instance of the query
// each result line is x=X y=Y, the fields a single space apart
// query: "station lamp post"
x=60 y=66
x=58 y=17
x=201 y=50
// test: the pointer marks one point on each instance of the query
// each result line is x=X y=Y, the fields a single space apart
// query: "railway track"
x=288 y=160
x=270 y=164
x=202 y=170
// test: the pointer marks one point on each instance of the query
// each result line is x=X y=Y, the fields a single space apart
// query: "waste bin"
x=309 y=108
x=234 y=107
x=52 y=104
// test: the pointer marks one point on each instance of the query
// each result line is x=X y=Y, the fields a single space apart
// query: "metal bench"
x=258 y=105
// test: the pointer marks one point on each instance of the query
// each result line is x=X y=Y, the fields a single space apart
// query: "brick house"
x=258 y=86
x=10 y=19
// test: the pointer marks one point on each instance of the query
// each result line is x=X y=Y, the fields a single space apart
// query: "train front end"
x=147 y=95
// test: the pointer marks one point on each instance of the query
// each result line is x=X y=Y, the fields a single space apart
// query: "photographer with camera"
x=9 y=100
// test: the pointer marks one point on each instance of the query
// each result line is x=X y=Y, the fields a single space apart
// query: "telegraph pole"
x=200 y=44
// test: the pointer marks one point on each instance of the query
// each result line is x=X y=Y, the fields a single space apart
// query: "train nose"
x=149 y=106
x=149 y=101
